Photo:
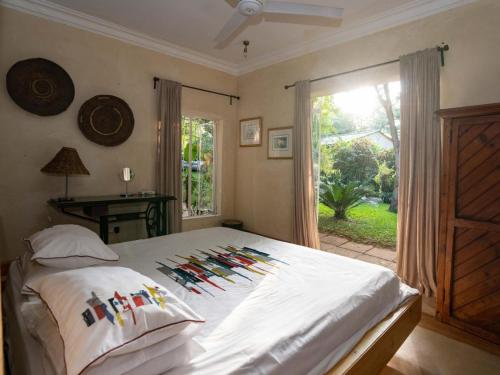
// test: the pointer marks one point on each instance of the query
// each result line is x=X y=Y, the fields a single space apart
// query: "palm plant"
x=340 y=196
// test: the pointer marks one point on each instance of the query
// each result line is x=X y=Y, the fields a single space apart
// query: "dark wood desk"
x=96 y=209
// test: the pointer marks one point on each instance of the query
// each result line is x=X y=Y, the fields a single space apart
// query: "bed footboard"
x=380 y=343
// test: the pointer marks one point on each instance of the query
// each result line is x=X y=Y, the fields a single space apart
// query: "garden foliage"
x=340 y=195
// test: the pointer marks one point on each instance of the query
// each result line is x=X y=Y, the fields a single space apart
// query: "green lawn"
x=367 y=223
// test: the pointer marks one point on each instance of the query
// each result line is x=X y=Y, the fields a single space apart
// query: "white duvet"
x=299 y=319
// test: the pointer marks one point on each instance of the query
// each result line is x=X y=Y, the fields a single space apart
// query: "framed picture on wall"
x=250 y=132
x=279 y=145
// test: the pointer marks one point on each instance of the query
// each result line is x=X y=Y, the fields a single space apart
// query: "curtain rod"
x=231 y=97
x=442 y=48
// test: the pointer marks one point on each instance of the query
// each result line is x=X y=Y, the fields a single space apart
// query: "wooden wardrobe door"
x=469 y=260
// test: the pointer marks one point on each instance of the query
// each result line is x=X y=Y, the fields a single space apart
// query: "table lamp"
x=66 y=162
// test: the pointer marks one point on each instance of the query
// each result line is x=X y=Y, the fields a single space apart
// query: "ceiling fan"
x=246 y=9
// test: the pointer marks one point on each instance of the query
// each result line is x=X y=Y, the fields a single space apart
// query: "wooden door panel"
x=470 y=168
x=489 y=214
x=483 y=256
x=478 y=144
x=488 y=186
x=475 y=292
x=475 y=209
x=468 y=181
x=464 y=236
x=477 y=166
x=469 y=253
x=468 y=133
x=473 y=248
x=481 y=312
x=487 y=271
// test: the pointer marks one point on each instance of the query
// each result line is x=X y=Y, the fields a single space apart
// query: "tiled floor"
x=426 y=352
x=367 y=253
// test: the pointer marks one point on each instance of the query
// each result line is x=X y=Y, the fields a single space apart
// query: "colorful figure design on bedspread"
x=121 y=305
x=213 y=263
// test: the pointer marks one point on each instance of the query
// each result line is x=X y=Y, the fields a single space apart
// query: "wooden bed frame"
x=380 y=344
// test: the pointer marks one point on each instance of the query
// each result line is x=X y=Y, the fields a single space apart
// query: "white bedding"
x=301 y=319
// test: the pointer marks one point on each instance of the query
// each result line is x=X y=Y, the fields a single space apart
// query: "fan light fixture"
x=246 y=43
x=250 y=7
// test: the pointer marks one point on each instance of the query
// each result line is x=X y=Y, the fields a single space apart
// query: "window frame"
x=216 y=176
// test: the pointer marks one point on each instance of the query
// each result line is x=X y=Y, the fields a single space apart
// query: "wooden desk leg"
x=157 y=218
x=164 y=216
x=103 y=228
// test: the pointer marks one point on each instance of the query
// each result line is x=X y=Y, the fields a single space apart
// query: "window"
x=198 y=167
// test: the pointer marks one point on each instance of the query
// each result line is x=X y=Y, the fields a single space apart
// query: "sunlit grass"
x=367 y=223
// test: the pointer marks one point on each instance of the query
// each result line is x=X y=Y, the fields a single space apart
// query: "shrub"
x=385 y=179
x=326 y=159
x=356 y=160
x=339 y=195
x=387 y=157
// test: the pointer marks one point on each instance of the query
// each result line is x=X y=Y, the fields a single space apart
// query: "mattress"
x=300 y=313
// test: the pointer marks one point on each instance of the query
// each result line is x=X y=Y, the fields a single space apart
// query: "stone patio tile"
x=321 y=235
x=359 y=247
x=375 y=260
x=334 y=240
x=344 y=252
x=326 y=246
x=386 y=254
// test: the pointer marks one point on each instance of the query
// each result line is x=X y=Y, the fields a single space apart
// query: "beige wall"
x=471 y=76
x=97 y=65
x=254 y=189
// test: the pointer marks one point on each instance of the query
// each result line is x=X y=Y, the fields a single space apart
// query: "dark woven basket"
x=40 y=86
x=106 y=120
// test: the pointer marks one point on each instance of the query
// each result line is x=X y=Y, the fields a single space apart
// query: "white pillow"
x=69 y=246
x=31 y=270
x=108 y=311
x=41 y=325
x=174 y=351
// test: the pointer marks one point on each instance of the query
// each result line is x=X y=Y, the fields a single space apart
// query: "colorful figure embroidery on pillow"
x=141 y=298
x=100 y=309
x=121 y=305
x=159 y=296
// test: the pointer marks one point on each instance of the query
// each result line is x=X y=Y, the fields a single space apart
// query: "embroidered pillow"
x=69 y=246
x=109 y=311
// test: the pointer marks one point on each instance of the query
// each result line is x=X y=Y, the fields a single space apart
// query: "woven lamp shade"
x=66 y=162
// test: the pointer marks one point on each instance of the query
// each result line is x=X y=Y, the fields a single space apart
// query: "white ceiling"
x=193 y=24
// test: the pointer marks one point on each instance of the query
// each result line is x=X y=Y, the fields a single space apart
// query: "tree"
x=384 y=97
x=330 y=119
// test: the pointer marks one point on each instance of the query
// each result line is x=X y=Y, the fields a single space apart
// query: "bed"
x=304 y=312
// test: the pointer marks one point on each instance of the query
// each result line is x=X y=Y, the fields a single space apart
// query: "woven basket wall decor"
x=40 y=86
x=106 y=120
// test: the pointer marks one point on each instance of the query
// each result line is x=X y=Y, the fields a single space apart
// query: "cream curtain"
x=305 y=225
x=418 y=203
x=168 y=160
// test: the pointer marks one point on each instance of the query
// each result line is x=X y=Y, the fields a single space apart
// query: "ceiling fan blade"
x=303 y=9
x=236 y=20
